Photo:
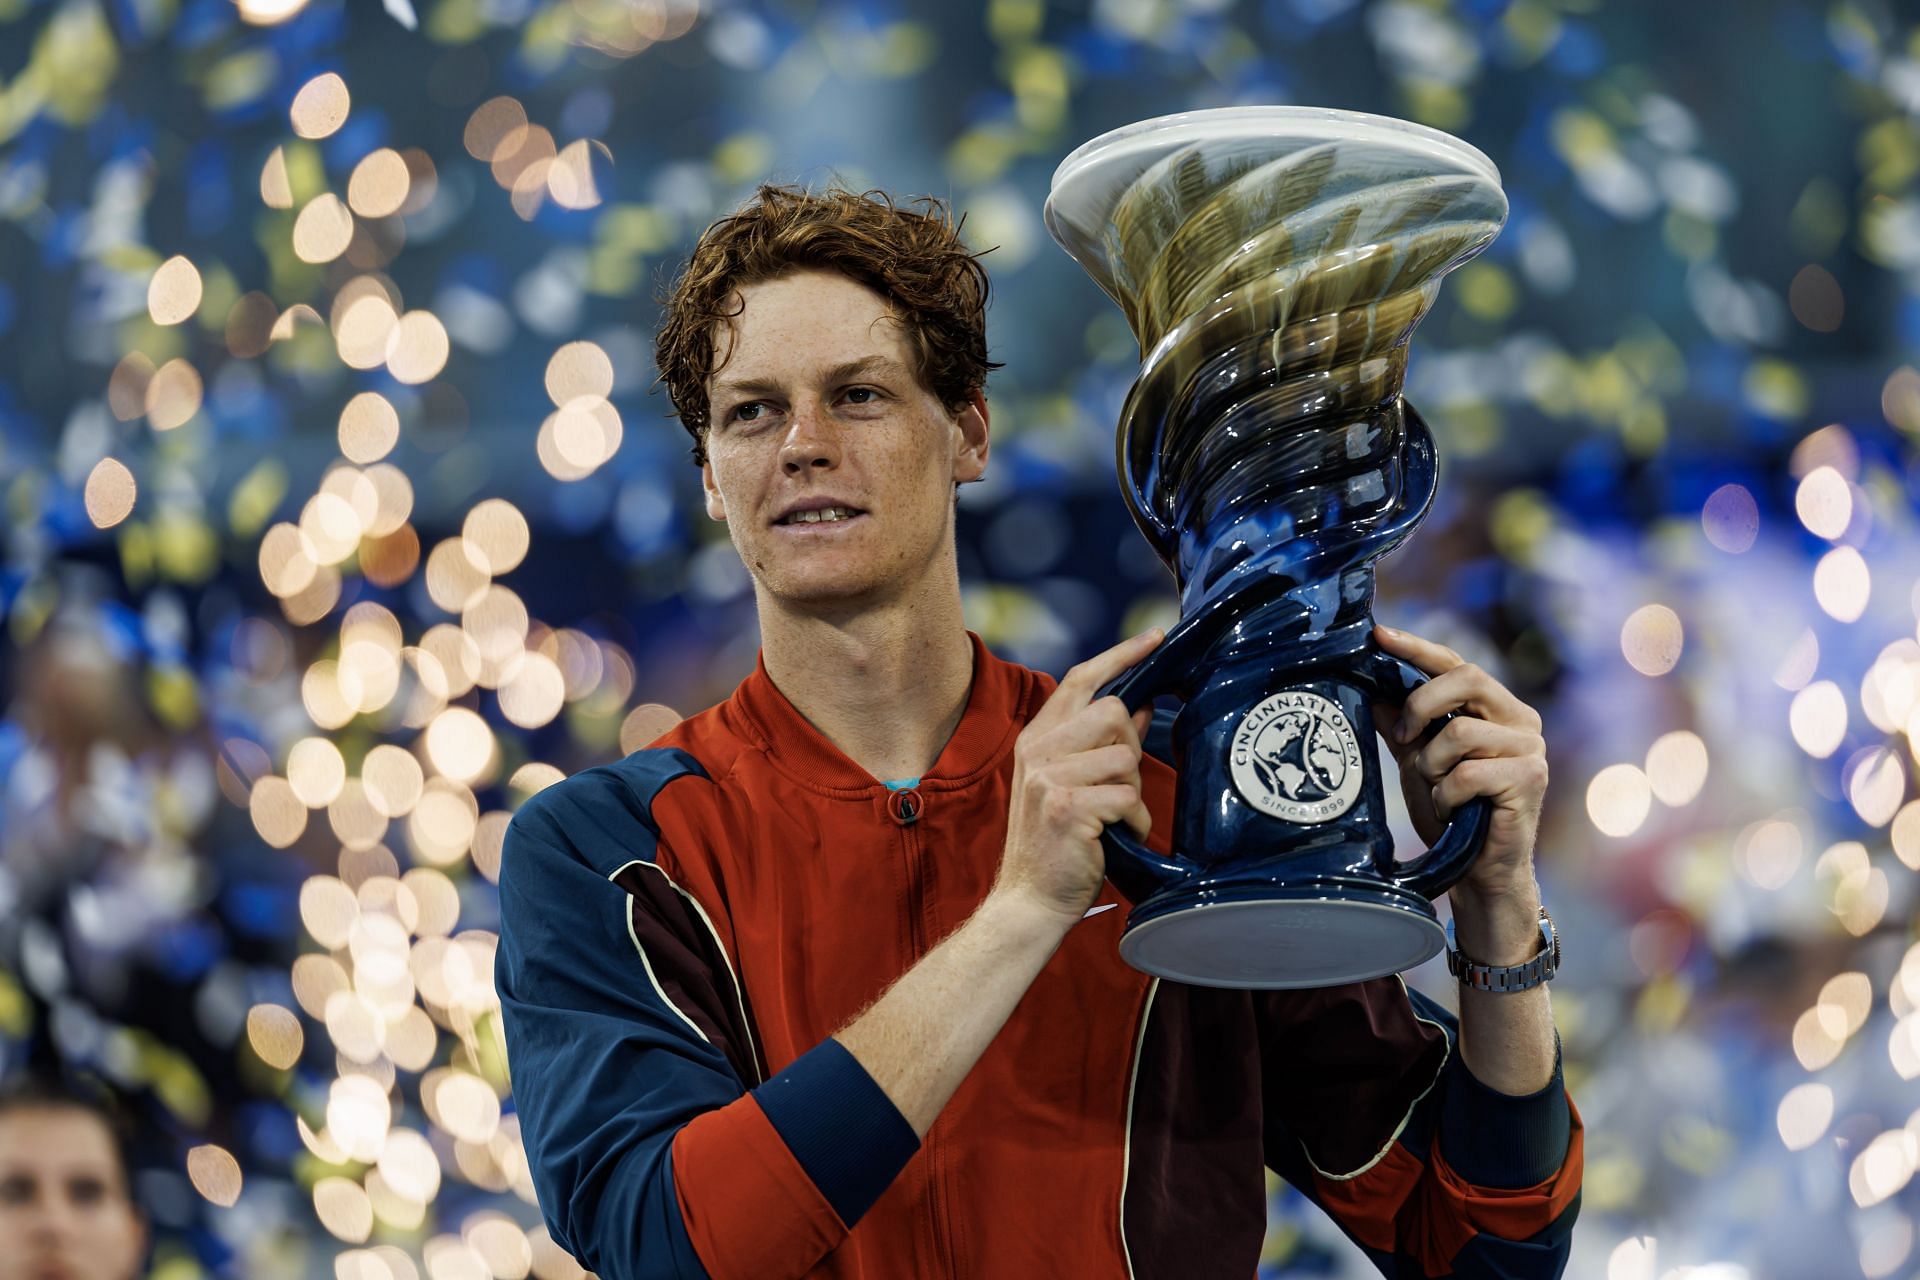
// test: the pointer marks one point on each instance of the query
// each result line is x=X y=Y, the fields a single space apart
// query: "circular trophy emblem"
x=1295 y=757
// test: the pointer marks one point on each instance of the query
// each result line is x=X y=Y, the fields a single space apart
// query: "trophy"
x=1273 y=263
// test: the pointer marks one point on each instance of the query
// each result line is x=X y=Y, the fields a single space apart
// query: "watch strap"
x=1505 y=979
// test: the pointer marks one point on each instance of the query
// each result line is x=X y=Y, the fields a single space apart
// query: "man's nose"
x=813 y=439
x=54 y=1218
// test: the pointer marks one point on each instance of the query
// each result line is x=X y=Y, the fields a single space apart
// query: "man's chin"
x=819 y=591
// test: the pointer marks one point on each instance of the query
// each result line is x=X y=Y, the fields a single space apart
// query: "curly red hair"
x=912 y=256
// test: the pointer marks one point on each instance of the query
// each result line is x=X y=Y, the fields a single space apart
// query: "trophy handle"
x=1391 y=679
x=1136 y=870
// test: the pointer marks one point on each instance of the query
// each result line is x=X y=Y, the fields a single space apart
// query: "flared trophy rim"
x=1311 y=124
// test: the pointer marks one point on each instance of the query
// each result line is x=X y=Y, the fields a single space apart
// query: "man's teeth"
x=815 y=517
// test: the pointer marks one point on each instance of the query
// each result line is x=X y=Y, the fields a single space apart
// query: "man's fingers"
x=1114 y=763
x=1433 y=659
x=1088 y=676
x=1463 y=688
x=1495 y=779
x=1468 y=738
x=1101 y=721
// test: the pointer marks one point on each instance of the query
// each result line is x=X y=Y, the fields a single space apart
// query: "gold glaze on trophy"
x=1273 y=263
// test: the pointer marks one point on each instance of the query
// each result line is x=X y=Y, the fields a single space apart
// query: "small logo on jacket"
x=1296 y=757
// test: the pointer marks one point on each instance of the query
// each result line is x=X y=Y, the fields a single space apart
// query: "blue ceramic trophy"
x=1273 y=263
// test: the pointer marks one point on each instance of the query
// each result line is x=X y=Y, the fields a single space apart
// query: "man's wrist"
x=1500 y=928
x=1018 y=918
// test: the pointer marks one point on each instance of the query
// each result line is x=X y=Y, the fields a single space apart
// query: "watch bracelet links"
x=1507 y=979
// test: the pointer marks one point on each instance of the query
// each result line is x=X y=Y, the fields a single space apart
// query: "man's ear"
x=972 y=444
x=716 y=505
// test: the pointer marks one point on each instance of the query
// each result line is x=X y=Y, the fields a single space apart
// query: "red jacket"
x=682 y=932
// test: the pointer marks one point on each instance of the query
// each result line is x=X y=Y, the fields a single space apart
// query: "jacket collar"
x=985 y=733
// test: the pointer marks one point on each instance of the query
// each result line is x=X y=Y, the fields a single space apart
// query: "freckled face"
x=64 y=1207
x=815 y=399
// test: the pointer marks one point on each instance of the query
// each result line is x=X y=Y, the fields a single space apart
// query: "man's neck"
x=886 y=684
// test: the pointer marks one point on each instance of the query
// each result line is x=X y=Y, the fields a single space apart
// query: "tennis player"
x=824 y=981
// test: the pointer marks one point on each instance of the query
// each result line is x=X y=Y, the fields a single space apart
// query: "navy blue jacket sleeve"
x=1373 y=1115
x=623 y=1026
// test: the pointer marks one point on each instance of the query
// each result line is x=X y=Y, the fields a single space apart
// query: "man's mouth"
x=824 y=516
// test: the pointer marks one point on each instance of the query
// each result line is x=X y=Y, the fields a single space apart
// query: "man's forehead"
x=808 y=318
x=58 y=1138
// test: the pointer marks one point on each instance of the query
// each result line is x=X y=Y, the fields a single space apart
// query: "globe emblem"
x=1300 y=755
x=1296 y=757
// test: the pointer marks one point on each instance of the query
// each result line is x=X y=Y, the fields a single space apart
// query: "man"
x=824 y=981
x=66 y=1211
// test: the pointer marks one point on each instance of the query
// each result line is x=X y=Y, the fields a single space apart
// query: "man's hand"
x=1492 y=748
x=1076 y=767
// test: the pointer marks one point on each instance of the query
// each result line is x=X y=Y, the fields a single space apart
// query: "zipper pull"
x=905 y=806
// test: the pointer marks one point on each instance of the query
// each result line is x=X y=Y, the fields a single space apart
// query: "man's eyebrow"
x=838 y=373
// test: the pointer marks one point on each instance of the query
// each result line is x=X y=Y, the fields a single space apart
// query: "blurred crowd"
x=338 y=515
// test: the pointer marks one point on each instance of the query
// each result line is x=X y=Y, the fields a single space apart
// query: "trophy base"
x=1275 y=938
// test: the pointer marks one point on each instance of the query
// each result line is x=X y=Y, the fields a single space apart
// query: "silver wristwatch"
x=1510 y=977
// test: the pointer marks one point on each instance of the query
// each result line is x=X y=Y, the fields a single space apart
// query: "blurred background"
x=340 y=515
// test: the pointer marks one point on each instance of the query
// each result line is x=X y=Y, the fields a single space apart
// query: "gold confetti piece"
x=269 y=13
x=379 y=184
x=276 y=1035
x=276 y=188
x=215 y=1174
x=571 y=180
x=174 y=292
x=173 y=395
x=321 y=106
x=323 y=229
x=110 y=493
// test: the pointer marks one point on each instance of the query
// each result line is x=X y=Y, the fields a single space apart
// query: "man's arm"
x=1076 y=768
x=1491 y=747
x=920 y=1039
x=1506 y=1038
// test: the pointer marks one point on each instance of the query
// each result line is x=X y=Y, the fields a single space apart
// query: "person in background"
x=66 y=1198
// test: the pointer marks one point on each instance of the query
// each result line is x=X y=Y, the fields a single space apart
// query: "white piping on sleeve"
x=739 y=995
x=1400 y=1128
x=1126 y=1150
x=647 y=964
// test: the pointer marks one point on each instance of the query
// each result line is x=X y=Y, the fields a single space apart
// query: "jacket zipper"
x=906 y=808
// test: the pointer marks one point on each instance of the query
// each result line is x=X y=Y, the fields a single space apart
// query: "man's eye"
x=863 y=391
x=747 y=412
x=16 y=1190
x=88 y=1191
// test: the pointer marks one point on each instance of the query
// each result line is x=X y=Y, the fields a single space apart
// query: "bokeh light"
x=1618 y=799
x=320 y=107
x=215 y=1174
x=1651 y=639
x=110 y=493
x=174 y=293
